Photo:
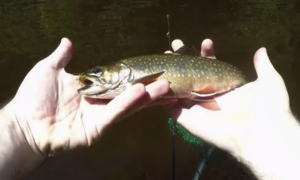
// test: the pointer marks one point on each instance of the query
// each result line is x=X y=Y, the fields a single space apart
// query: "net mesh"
x=199 y=145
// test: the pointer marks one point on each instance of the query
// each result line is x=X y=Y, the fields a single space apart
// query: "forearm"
x=17 y=159
x=276 y=156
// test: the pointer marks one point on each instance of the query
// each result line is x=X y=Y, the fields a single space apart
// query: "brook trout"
x=189 y=75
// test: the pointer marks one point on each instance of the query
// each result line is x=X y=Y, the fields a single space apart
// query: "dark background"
x=102 y=31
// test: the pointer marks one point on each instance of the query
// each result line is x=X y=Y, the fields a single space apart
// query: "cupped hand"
x=54 y=117
x=244 y=114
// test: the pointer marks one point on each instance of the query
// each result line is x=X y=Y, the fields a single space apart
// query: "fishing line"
x=169 y=32
x=202 y=163
x=174 y=123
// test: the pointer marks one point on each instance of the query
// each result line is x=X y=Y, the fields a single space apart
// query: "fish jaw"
x=107 y=84
x=96 y=90
x=92 y=86
x=92 y=89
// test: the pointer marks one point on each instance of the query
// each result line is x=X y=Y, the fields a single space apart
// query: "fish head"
x=104 y=82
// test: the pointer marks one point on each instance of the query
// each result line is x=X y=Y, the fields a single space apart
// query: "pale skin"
x=253 y=123
x=55 y=118
x=48 y=115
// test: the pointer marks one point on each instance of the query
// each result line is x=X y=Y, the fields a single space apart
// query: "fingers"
x=118 y=106
x=130 y=101
x=270 y=79
x=263 y=66
x=207 y=49
x=62 y=55
x=176 y=44
x=153 y=92
x=97 y=116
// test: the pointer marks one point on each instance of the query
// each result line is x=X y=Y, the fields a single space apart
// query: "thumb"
x=62 y=55
x=271 y=79
x=263 y=66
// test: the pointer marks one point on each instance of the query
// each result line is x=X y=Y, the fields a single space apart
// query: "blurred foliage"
x=105 y=31
x=98 y=30
x=268 y=23
x=274 y=24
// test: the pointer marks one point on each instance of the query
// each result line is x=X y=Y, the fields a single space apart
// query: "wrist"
x=18 y=157
x=275 y=154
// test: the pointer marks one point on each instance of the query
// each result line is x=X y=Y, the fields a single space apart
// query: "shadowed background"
x=103 y=31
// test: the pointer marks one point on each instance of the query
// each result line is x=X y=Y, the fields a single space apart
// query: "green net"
x=199 y=145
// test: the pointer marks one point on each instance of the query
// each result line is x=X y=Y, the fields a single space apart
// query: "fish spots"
x=189 y=75
x=161 y=62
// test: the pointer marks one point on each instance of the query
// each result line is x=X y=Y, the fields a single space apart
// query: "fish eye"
x=96 y=70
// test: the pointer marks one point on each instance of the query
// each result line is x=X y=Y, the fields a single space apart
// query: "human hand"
x=54 y=117
x=245 y=113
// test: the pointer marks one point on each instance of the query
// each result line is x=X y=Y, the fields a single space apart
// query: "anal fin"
x=207 y=91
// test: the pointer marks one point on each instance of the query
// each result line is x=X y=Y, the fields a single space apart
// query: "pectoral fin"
x=147 y=79
x=188 y=50
x=207 y=91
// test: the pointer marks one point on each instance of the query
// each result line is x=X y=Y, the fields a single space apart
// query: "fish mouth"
x=91 y=86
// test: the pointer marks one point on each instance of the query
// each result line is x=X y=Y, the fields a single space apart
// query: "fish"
x=189 y=75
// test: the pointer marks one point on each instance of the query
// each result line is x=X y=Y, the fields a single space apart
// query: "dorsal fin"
x=188 y=50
